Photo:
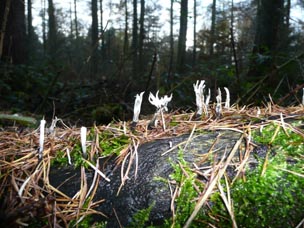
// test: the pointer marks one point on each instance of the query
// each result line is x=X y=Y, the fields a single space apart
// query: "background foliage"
x=92 y=70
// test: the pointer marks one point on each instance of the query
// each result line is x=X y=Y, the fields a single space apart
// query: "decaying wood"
x=26 y=191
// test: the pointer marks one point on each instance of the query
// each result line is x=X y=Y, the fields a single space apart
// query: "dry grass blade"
x=265 y=164
x=213 y=182
x=300 y=224
x=97 y=170
x=289 y=171
x=133 y=155
x=227 y=200
x=190 y=136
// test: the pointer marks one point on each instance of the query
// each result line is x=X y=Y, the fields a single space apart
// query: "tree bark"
x=4 y=12
x=181 y=52
x=233 y=46
x=52 y=34
x=13 y=32
x=76 y=20
x=141 y=35
x=94 y=38
x=30 y=30
x=101 y=29
x=212 y=30
x=170 y=71
x=126 y=35
x=71 y=21
x=287 y=18
x=135 y=39
x=194 y=34
x=270 y=18
x=44 y=39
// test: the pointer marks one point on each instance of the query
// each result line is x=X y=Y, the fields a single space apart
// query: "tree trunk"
x=71 y=21
x=212 y=30
x=287 y=18
x=30 y=30
x=170 y=71
x=194 y=34
x=233 y=46
x=270 y=18
x=4 y=12
x=43 y=7
x=135 y=39
x=141 y=36
x=94 y=38
x=101 y=29
x=126 y=36
x=52 y=34
x=13 y=32
x=181 y=52
x=76 y=20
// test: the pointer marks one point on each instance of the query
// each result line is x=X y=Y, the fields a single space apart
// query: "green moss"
x=274 y=199
x=186 y=180
x=110 y=144
x=61 y=157
x=270 y=196
x=88 y=222
x=141 y=218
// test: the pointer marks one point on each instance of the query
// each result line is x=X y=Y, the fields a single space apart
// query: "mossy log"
x=144 y=187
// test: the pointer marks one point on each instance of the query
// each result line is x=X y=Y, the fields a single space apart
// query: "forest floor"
x=28 y=198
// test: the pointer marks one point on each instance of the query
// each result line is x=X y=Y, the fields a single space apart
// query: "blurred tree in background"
x=91 y=69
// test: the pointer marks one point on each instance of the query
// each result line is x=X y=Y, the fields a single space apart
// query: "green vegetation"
x=88 y=222
x=61 y=157
x=108 y=144
x=142 y=217
x=272 y=195
x=111 y=144
x=187 y=183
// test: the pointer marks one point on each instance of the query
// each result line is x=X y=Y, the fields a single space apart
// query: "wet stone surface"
x=140 y=192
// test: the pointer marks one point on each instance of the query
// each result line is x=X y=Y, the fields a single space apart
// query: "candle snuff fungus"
x=218 y=107
x=227 y=102
x=161 y=106
x=83 y=138
x=199 y=96
x=41 y=138
x=137 y=107
x=201 y=104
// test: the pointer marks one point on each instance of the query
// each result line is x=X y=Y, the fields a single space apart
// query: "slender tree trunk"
x=212 y=30
x=43 y=6
x=194 y=34
x=181 y=52
x=13 y=31
x=170 y=71
x=126 y=36
x=233 y=47
x=270 y=17
x=135 y=39
x=94 y=38
x=52 y=34
x=287 y=17
x=76 y=20
x=30 y=30
x=141 y=35
x=101 y=28
x=4 y=12
x=71 y=21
